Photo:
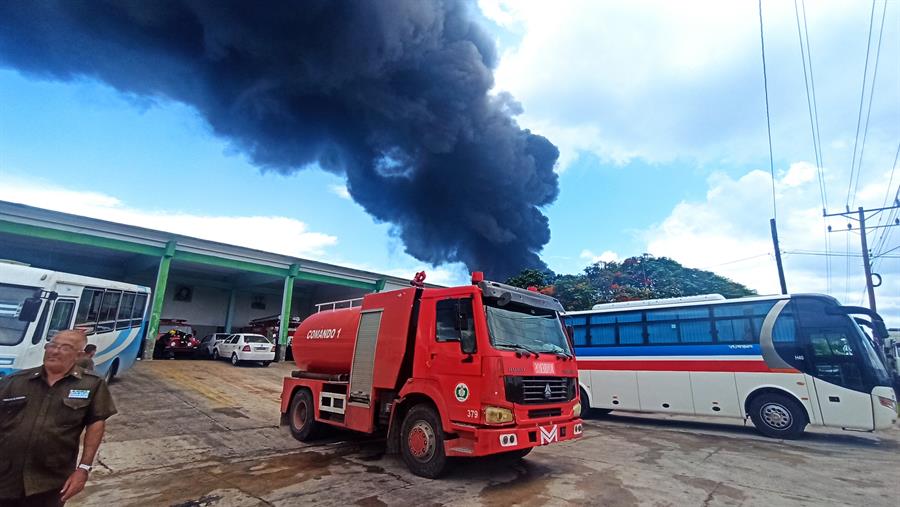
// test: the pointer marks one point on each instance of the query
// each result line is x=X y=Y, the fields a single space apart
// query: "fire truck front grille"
x=539 y=390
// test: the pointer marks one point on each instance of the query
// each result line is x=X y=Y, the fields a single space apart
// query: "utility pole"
x=778 y=256
x=866 y=263
x=861 y=216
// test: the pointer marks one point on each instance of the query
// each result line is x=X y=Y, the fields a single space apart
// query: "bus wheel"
x=777 y=416
x=302 y=418
x=112 y=371
x=422 y=442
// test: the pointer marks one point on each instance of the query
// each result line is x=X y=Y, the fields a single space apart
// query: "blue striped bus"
x=783 y=361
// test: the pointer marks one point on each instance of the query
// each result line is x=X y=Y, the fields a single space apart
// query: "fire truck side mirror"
x=467 y=343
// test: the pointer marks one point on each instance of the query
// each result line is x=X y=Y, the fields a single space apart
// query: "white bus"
x=783 y=361
x=37 y=303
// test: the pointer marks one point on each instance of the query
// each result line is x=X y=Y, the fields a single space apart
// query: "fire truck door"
x=454 y=362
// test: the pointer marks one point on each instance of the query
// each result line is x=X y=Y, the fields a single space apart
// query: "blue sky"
x=658 y=112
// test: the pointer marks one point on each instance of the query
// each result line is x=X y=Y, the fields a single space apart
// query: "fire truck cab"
x=452 y=372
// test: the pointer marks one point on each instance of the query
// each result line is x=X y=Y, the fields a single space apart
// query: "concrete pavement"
x=198 y=433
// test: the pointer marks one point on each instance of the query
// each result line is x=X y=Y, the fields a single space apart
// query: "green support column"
x=159 y=294
x=285 y=320
x=229 y=316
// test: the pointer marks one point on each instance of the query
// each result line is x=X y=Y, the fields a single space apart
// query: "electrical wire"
x=809 y=106
x=812 y=85
x=862 y=94
x=862 y=148
x=762 y=43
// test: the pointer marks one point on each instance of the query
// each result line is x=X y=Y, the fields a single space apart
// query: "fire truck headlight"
x=497 y=415
x=576 y=410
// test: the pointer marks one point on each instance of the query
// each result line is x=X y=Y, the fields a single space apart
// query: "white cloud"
x=340 y=191
x=662 y=81
x=606 y=256
x=729 y=233
x=276 y=234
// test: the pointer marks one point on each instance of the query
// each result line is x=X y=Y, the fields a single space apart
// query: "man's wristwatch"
x=86 y=468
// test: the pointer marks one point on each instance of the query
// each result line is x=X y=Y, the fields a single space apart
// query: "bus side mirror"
x=880 y=329
x=30 y=308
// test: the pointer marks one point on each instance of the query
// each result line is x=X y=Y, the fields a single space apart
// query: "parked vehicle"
x=467 y=371
x=270 y=327
x=176 y=338
x=209 y=342
x=245 y=347
x=784 y=361
x=37 y=303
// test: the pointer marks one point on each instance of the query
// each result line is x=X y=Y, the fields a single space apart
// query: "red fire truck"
x=453 y=372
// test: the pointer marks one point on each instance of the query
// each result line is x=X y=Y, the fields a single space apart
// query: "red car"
x=176 y=338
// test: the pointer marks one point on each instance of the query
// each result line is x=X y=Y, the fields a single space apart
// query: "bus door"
x=836 y=365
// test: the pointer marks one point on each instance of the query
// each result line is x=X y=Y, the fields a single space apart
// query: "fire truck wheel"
x=422 y=442
x=302 y=418
x=517 y=454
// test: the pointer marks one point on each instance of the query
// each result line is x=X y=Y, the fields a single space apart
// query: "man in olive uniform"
x=43 y=412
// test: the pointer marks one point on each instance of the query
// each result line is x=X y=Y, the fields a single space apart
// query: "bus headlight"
x=497 y=415
x=576 y=411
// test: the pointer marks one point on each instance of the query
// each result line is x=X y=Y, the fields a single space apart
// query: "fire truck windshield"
x=528 y=329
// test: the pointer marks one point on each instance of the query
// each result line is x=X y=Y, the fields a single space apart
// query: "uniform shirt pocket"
x=11 y=410
x=73 y=412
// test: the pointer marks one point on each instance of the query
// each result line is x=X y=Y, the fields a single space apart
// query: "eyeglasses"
x=62 y=347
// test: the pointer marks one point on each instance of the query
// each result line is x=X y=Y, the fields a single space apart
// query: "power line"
x=885 y=234
x=809 y=106
x=862 y=148
x=812 y=85
x=830 y=254
x=862 y=94
x=762 y=43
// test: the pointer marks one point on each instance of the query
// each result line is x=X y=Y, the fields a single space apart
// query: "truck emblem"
x=551 y=435
x=547 y=392
x=461 y=392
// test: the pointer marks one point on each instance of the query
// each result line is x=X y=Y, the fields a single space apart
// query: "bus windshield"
x=527 y=329
x=12 y=330
x=872 y=357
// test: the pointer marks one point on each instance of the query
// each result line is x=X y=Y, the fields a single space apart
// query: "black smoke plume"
x=393 y=94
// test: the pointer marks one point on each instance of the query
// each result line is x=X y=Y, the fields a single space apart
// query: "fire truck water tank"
x=324 y=342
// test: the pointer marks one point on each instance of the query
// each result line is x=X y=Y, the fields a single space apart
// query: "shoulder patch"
x=25 y=373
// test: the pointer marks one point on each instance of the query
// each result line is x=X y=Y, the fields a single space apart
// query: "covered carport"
x=214 y=286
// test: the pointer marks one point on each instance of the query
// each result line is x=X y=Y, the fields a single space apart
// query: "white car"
x=209 y=342
x=245 y=347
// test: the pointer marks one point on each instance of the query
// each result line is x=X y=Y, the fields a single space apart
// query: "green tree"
x=635 y=278
x=532 y=278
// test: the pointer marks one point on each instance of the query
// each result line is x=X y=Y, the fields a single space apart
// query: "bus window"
x=137 y=313
x=106 y=321
x=125 y=307
x=603 y=329
x=579 y=325
x=679 y=325
x=629 y=328
x=833 y=359
x=787 y=344
x=662 y=332
x=740 y=323
x=88 y=310
x=62 y=316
